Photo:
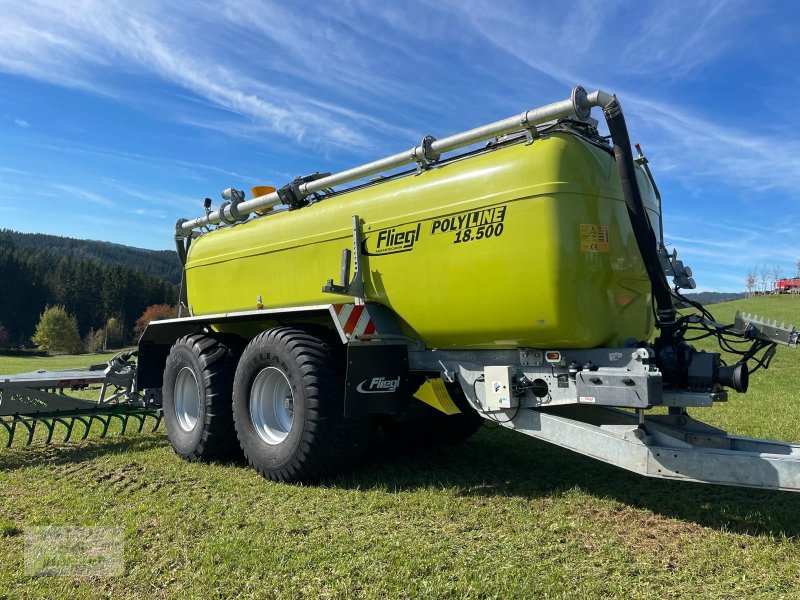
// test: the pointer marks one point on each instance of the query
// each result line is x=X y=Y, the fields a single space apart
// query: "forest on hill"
x=94 y=281
x=714 y=297
x=162 y=264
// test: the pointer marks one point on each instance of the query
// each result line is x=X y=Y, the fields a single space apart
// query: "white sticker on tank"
x=614 y=356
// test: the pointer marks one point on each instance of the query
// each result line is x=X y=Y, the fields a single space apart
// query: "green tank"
x=517 y=245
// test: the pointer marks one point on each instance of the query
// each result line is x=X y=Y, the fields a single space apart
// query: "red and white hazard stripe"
x=354 y=320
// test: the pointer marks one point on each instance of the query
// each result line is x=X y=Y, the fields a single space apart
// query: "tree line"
x=162 y=264
x=91 y=291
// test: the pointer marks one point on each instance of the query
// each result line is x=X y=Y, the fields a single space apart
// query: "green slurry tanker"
x=515 y=272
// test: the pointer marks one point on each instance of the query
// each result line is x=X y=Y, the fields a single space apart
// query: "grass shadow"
x=18 y=457
x=498 y=463
x=503 y=463
x=61 y=453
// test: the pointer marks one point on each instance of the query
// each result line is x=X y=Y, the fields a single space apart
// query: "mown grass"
x=23 y=364
x=500 y=516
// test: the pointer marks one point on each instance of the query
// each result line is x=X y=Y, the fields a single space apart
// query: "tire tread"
x=330 y=443
x=218 y=363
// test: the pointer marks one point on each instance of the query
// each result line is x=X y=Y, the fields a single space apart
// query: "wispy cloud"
x=149 y=213
x=614 y=39
x=717 y=151
x=673 y=40
x=13 y=171
x=69 y=46
x=723 y=253
x=160 y=198
x=178 y=167
x=21 y=123
x=72 y=192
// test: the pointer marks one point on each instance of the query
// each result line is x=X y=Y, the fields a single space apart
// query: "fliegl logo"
x=379 y=385
x=392 y=240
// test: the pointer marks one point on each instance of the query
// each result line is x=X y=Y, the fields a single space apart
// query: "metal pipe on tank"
x=599 y=98
x=579 y=103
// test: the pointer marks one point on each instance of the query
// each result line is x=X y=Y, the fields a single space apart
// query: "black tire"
x=319 y=441
x=430 y=426
x=211 y=363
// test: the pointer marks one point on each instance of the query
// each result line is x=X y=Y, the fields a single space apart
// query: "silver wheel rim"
x=271 y=405
x=187 y=399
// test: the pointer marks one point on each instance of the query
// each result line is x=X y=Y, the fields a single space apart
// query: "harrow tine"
x=141 y=421
x=10 y=428
x=51 y=425
x=86 y=425
x=106 y=422
x=157 y=418
x=69 y=423
x=51 y=422
x=123 y=419
x=31 y=426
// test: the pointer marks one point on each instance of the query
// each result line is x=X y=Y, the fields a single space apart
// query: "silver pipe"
x=378 y=166
x=530 y=118
x=599 y=98
x=267 y=201
x=580 y=103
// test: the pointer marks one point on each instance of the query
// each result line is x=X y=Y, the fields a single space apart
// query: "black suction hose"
x=642 y=229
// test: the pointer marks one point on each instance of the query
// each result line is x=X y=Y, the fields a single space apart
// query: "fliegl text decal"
x=472 y=225
x=392 y=240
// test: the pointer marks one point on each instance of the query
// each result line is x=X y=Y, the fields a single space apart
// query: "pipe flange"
x=427 y=149
x=423 y=154
x=234 y=211
x=234 y=197
x=580 y=103
x=229 y=218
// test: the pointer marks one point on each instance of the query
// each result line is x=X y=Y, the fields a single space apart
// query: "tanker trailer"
x=523 y=281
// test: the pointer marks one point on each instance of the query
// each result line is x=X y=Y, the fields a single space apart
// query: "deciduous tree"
x=764 y=273
x=114 y=334
x=154 y=312
x=751 y=282
x=94 y=341
x=57 y=331
x=777 y=274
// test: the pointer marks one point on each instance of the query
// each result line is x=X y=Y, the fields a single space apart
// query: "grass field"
x=500 y=516
x=15 y=364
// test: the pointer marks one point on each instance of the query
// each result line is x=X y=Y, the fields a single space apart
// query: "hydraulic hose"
x=642 y=229
x=182 y=249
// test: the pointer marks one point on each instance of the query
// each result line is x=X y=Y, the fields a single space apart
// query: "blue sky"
x=119 y=117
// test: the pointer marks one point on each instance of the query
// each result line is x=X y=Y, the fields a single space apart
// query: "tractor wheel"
x=288 y=405
x=431 y=427
x=197 y=398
